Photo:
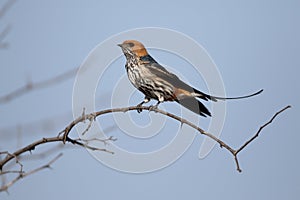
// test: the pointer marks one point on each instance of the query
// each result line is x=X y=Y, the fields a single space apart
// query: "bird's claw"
x=153 y=107
x=139 y=108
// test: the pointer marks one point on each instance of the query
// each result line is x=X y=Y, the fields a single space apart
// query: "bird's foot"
x=153 y=108
x=139 y=108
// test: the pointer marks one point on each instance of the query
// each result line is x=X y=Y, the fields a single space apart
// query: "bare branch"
x=23 y=174
x=104 y=141
x=91 y=118
x=6 y=7
x=88 y=146
x=63 y=136
x=14 y=156
x=3 y=34
x=184 y=121
x=41 y=155
x=256 y=135
x=38 y=85
x=3 y=11
x=260 y=129
x=11 y=172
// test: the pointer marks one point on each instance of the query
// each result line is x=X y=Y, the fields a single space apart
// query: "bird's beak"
x=120 y=45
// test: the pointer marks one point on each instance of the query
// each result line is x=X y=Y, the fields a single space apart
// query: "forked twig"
x=23 y=174
x=63 y=136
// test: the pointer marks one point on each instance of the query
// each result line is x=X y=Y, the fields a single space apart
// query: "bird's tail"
x=214 y=98
x=194 y=105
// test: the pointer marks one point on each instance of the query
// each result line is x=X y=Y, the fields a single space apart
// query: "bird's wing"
x=164 y=74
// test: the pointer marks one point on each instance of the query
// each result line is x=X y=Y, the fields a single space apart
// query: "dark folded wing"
x=164 y=74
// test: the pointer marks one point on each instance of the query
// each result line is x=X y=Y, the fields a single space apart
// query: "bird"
x=157 y=83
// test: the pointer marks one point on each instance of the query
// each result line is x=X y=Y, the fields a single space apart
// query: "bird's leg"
x=153 y=107
x=160 y=100
x=146 y=100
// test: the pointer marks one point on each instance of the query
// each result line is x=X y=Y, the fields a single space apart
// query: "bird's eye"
x=130 y=44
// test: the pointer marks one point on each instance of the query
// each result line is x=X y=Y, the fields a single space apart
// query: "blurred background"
x=254 y=44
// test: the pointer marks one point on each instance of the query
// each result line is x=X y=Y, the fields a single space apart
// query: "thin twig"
x=6 y=7
x=256 y=135
x=88 y=146
x=24 y=174
x=3 y=11
x=104 y=141
x=11 y=172
x=91 y=119
x=3 y=34
x=260 y=129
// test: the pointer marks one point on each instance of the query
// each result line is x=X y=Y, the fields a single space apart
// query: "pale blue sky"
x=255 y=44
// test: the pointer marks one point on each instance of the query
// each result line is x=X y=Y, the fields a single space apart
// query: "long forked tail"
x=215 y=98
x=191 y=103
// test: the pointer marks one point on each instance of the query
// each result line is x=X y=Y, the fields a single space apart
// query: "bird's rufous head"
x=133 y=47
